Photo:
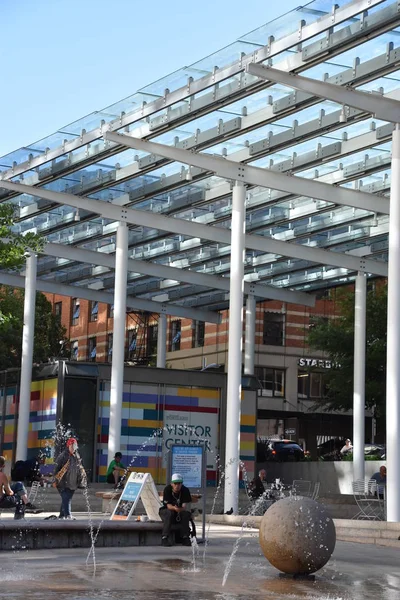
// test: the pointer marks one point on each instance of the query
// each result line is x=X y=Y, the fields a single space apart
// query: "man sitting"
x=174 y=511
x=380 y=479
x=28 y=471
x=13 y=495
x=116 y=471
x=256 y=485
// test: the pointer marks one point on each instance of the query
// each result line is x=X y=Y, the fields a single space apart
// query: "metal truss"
x=179 y=275
x=196 y=230
x=18 y=281
x=379 y=106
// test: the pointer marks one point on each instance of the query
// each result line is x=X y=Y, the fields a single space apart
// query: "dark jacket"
x=72 y=478
x=256 y=488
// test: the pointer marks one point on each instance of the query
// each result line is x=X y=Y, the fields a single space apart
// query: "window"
x=58 y=311
x=92 y=349
x=74 y=350
x=75 y=311
x=272 y=381
x=109 y=345
x=152 y=335
x=311 y=385
x=132 y=341
x=198 y=334
x=175 y=336
x=273 y=329
x=94 y=310
x=110 y=311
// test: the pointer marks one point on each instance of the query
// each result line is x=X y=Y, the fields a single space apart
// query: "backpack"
x=18 y=472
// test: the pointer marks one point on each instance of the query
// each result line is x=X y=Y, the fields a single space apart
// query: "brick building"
x=291 y=376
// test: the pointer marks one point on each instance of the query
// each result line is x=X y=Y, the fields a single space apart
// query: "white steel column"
x=117 y=364
x=28 y=333
x=250 y=335
x=360 y=323
x=162 y=341
x=393 y=340
x=232 y=430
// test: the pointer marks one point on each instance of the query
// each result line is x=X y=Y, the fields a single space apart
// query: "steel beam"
x=165 y=272
x=381 y=107
x=256 y=176
x=73 y=291
x=207 y=232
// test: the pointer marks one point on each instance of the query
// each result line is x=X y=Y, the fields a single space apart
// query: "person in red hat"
x=69 y=476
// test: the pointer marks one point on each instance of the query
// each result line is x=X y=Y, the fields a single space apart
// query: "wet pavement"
x=355 y=572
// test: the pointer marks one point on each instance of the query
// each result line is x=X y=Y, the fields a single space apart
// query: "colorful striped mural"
x=42 y=417
x=153 y=418
x=248 y=435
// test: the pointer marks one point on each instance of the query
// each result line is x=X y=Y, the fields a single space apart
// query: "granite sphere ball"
x=297 y=535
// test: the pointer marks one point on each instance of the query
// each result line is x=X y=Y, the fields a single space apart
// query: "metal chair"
x=301 y=487
x=315 y=492
x=34 y=491
x=371 y=507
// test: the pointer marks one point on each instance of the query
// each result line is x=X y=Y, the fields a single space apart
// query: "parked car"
x=330 y=450
x=279 y=451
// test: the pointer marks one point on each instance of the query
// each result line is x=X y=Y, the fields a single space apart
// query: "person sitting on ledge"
x=256 y=485
x=380 y=478
x=14 y=495
x=174 y=511
x=116 y=472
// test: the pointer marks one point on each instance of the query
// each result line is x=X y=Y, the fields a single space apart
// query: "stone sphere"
x=297 y=535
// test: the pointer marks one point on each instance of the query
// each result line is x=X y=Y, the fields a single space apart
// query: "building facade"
x=291 y=375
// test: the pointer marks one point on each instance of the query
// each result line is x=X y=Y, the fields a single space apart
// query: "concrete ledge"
x=380 y=533
x=35 y=535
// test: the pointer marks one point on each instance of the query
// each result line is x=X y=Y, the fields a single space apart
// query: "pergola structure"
x=234 y=179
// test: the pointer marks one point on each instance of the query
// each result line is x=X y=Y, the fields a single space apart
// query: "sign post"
x=190 y=462
x=139 y=485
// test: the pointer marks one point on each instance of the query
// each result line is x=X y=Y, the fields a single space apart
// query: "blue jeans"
x=16 y=500
x=66 y=497
x=18 y=488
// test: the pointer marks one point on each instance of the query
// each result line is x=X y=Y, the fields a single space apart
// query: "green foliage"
x=14 y=246
x=48 y=331
x=336 y=338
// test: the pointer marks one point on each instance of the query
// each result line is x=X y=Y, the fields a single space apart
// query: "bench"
x=110 y=499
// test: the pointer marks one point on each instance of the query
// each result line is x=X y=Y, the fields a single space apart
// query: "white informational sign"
x=188 y=461
x=191 y=428
x=139 y=485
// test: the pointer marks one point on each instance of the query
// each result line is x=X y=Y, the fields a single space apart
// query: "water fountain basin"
x=34 y=534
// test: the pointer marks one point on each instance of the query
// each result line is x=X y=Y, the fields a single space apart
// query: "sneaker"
x=70 y=518
x=34 y=511
x=186 y=541
x=165 y=542
x=31 y=506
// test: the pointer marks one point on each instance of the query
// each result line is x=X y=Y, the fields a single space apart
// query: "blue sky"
x=63 y=59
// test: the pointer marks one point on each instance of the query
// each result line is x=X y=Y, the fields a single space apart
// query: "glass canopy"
x=215 y=106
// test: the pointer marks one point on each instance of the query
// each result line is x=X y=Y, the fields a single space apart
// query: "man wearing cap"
x=116 y=471
x=173 y=512
x=69 y=475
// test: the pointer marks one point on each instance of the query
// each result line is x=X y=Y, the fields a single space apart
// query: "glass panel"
x=315 y=385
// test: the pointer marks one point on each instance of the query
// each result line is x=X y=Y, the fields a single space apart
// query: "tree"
x=49 y=333
x=13 y=245
x=336 y=338
x=13 y=249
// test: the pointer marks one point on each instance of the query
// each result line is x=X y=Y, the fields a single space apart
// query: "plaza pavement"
x=355 y=572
